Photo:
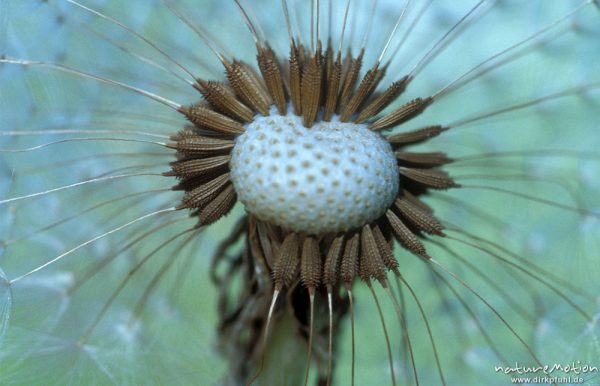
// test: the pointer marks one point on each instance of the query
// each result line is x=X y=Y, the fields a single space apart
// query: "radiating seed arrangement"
x=338 y=175
x=332 y=249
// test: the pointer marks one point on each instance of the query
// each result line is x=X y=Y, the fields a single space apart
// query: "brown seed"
x=371 y=263
x=218 y=207
x=247 y=86
x=431 y=178
x=205 y=118
x=312 y=78
x=332 y=89
x=348 y=266
x=269 y=67
x=328 y=59
x=423 y=159
x=387 y=255
x=198 y=145
x=331 y=266
x=350 y=76
x=415 y=136
x=223 y=100
x=310 y=263
x=402 y=114
x=203 y=194
x=408 y=239
x=296 y=79
x=197 y=167
x=364 y=91
x=423 y=220
x=286 y=265
x=382 y=101
x=415 y=201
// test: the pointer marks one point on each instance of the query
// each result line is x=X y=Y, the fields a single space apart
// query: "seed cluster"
x=299 y=144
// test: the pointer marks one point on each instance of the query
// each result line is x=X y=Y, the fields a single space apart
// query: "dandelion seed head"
x=331 y=177
x=162 y=326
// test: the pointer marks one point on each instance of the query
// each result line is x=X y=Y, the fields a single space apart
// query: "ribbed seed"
x=310 y=263
x=364 y=90
x=203 y=194
x=415 y=136
x=259 y=82
x=247 y=87
x=423 y=159
x=371 y=263
x=206 y=118
x=402 y=114
x=219 y=207
x=295 y=79
x=333 y=89
x=350 y=76
x=328 y=61
x=387 y=255
x=408 y=239
x=189 y=183
x=346 y=63
x=383 y=100
x=198 y=145
x=415 y=201
x=223 y=100
x=419 y=218
x=197 y=166
x=431 y=178
x=312 y=79
x=331 y=266
x=348 y=266
x=286 y=266
x=269 y=67
x=187 y=132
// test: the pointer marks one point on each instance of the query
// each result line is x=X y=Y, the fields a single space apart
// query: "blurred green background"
x=174 y=339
